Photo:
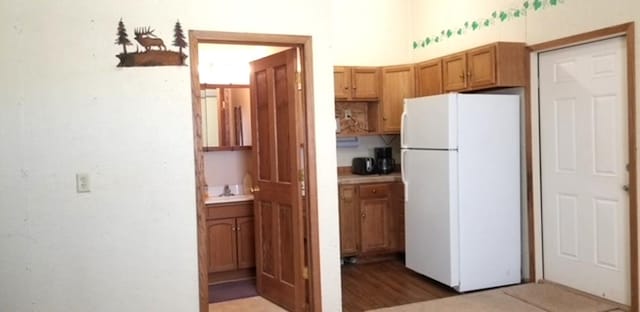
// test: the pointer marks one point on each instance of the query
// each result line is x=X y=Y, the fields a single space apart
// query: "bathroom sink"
x=228 y=199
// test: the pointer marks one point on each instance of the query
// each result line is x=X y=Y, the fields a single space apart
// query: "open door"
x=278 y=191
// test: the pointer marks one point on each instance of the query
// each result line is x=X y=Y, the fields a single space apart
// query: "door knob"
x=254 y=189
x=625 y=188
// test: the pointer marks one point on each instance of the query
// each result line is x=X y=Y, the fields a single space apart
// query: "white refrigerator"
x=461 y=170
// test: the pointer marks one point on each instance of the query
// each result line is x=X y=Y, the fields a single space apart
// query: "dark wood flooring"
x=386 y=284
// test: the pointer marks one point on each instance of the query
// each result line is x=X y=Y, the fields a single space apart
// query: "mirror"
x=226 y=117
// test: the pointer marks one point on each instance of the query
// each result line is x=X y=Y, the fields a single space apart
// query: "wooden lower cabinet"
x=231 y=240
x=371 y=219
x=222 y=245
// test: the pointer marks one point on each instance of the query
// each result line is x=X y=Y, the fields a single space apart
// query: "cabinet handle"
x=346 y=88
x=373 y=191
x=462 y=76
x=364 y=216
x=469 y=75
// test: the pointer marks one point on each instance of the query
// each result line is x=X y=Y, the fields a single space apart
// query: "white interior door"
x=583 y=137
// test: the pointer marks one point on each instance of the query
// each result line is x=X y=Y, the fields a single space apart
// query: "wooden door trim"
x=628 y=31
x=311 y=200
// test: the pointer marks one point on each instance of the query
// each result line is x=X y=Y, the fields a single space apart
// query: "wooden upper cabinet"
x=342 y=82
x=356 y=83
x=429 y=77
x=500 y=64
x=481 y=67
x=454 y=72
x=398 y=83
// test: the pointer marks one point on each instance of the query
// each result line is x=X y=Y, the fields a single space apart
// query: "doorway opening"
x=234 y=137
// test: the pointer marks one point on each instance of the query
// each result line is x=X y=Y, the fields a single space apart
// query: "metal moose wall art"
x=150 y=50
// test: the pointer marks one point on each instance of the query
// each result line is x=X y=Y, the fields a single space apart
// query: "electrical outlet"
x=82 y=183
x=347 y=114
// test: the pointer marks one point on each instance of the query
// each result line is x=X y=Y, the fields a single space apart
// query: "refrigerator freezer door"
x=430 y=122
x=431 y=217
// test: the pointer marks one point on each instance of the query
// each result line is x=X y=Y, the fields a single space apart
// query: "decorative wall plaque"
x=150 y=49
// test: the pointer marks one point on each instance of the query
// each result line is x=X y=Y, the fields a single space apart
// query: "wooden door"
x=342 y=82
x=397 y=84
x=222 y=245
x=429 y=78
x=454 y=72
x=584 y=155
x=275 y=103
x=481 y=67
x=245 y=242
x=349 y=220
x=364 y=82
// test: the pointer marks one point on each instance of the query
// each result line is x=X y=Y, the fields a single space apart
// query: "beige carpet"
x=529 y=297
x=257 y=304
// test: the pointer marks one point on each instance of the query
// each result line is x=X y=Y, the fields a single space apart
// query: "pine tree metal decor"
x=150 y=50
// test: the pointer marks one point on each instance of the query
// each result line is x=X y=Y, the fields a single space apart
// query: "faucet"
x=226 y=191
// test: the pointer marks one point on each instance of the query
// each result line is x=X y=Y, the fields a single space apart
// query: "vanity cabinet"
x=356 y=83
x=230 y=237
x=371 y=218
x=397 y=84
x=501 y=64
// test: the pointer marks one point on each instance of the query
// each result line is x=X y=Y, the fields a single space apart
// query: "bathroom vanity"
x=230 y=238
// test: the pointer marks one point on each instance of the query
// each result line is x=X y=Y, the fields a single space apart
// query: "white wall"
x=365 y=147
x=371 y=32
x=130 y=244
x=228 y=167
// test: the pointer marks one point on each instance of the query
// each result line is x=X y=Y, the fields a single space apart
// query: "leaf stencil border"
x=497 y=16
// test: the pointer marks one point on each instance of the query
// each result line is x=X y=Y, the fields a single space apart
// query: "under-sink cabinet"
x=230 y=239
x=371 y=218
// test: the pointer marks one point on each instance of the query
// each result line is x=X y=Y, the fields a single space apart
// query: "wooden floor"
x=386 y=284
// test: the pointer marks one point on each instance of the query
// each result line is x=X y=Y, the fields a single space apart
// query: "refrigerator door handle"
x=403 y=174
x=403 y=131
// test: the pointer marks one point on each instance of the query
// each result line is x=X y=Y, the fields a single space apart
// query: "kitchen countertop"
x=371 y=178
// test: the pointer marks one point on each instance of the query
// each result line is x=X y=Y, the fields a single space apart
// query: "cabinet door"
x=364 y=82
x=481 y=64
x=246 y=243
x=396 y=217
x=429 y=78
x=342 y=82
x=397 y=84
x=222 y=245
x=454 y=72
x=349 y=217
x=374 y=224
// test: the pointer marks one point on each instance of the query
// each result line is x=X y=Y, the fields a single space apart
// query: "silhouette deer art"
x=146 y=38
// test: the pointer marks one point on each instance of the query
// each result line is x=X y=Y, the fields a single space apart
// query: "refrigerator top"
x=430 y=122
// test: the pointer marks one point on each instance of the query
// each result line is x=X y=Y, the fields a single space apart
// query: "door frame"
x=533 y=146
x=310 y=205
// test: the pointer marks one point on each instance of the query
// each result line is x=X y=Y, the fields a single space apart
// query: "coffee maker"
x=384 y=160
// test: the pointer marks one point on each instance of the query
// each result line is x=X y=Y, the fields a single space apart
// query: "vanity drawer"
x=374 y=190
x=230 y=210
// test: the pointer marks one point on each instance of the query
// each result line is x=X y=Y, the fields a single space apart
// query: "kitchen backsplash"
x=365 y=148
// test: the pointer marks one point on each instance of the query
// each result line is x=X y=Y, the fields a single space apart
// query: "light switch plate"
x=83 y=184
